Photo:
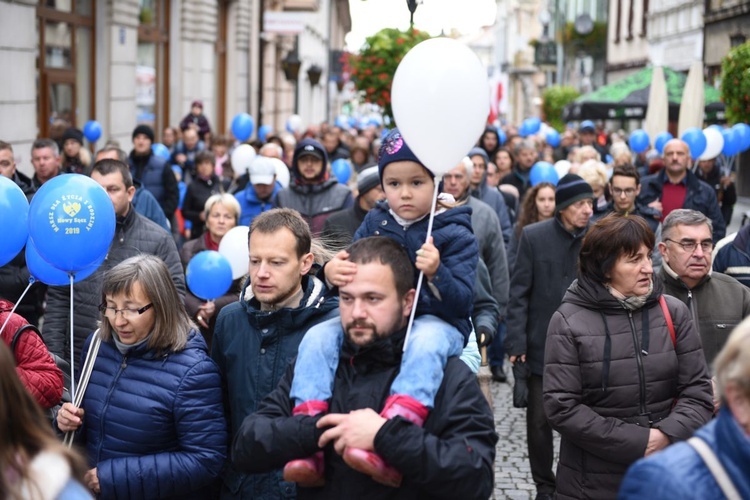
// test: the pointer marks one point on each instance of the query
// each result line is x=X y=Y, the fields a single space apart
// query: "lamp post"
x=412 y=4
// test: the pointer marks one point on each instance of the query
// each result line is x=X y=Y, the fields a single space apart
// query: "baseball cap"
x=309 y=150
x=587 y=126
x=262 y=170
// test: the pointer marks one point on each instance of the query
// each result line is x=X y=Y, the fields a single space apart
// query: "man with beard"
x=450 y=457
x=256 y=338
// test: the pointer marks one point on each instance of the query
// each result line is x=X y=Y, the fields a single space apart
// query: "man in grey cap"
x=339 y=228
x=257 y=197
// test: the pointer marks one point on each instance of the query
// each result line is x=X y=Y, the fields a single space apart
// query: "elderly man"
x=491 y=196
x=450 y=457
x=526 y=155
x=255 y=338
x=717 y=301
x=677 y=187
x=545 y=268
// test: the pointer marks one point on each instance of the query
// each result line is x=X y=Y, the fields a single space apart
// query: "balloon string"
x=72 y=343
x=421 y=274
x=18 y=302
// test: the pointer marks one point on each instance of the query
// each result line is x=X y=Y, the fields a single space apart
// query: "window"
x=737 y=40
x=152 y=61
x=618 y=21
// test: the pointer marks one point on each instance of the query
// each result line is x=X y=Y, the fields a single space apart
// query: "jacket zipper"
x=693 y=308
x=639 y=362
x=123 y=365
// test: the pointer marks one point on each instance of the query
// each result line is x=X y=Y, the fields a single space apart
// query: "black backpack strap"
x=18 y=333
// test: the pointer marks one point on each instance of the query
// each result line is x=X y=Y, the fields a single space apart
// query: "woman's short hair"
x=594 y=173
x=226 y=199
x=172 y=323
x=610 y=238
x=732 y=364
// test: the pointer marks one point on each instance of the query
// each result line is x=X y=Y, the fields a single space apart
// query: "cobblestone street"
x=512 y=471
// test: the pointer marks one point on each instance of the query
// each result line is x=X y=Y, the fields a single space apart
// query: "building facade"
x=125 y=62
x=627 y=42
x=675 y=33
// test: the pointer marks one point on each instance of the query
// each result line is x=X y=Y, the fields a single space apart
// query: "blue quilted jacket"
x=154 y=426
x=453 y=237
x=679 y=472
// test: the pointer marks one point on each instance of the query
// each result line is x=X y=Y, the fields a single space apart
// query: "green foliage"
x=373 y=68
x=735 y=84
x=593 y=43
x=555 y=98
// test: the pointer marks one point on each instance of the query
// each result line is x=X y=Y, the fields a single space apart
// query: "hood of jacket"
x=300 y=149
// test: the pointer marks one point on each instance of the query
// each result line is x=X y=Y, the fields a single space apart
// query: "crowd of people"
x=613 y=286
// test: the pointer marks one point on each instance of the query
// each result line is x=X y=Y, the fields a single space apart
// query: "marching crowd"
x=610 y=287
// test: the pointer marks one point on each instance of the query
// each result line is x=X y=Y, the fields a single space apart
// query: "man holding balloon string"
x=133 y=235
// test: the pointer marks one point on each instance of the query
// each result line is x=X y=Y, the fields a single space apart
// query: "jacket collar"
x=559 y=224
x=669 y=275
x=313 y=296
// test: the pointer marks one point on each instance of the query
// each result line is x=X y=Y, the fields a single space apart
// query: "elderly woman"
x=222 y=211
x=617 y=384
x=680 y=472
x=152 y=418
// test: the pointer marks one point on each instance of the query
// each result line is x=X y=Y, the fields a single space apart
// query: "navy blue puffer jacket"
x=154 y=426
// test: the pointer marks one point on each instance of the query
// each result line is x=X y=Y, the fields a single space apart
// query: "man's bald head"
x=676 y=159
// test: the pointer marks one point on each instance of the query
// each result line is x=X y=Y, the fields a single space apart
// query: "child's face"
x=71 y=148
x=408 y=188
x=204 y=169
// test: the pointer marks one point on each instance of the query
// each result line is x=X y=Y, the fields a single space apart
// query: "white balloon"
x=714 y=144
x=242 y=156
x=295 y=124
x=562 y=167
x=440 y=101
x=234 y=247
x=282 y=172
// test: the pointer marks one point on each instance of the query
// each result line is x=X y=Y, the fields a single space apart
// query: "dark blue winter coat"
x=700 y=196
x=251 y=206
x=679 y=472
x=253 y=349
x=154 y=426
x=453 y=237
x=733 y=259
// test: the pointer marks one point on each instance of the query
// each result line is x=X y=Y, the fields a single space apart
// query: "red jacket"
x=34 y=365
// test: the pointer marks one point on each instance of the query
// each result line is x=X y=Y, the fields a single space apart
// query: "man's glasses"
x=111 y=313
x=691 y=245
x=627 y=192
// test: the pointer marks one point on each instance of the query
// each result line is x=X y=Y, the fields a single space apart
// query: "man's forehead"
x=370 y=278
x=45 y=151
x=280 y=242
x=623 y=180
x=690 y=231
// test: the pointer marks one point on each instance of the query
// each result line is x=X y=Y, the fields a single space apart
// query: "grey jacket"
x=486 y=227
x=610 y=374
x=134 y=235
x=315 y=202
x=546 y=264
x=718 y=303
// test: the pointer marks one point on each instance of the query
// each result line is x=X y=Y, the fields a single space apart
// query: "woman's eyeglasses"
x=111 y=313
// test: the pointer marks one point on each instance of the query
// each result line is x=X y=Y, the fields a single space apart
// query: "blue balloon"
x=242 y=126
x=553 y=138
x=639 y=141
x=92 y=131
x=742 y=130
x=501 y=137
x=523 y=130
x=342 y=121
x=42 y=271
x=14 y=216
x=208 y=275
x=696 y=141
x=71 y=221
x=352 y=122
x=543 y=171
x=662 y=140
x=342 y=170
x=161 y=151
x=263 y=132
x=608 y=159
x=732 y=142
x=533 y=125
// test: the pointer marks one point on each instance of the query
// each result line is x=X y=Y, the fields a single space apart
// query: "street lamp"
x=412 y=4
x=313 y=74
x=291 y=65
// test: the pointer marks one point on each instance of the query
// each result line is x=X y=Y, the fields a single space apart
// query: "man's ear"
x=663 y=250
x=638 y=189
x=408 y=302
x=307 y=261
x=131 y=193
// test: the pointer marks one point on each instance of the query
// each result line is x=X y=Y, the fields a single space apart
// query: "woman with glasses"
x=624 y=372
x=152 y=419
x=221 y=213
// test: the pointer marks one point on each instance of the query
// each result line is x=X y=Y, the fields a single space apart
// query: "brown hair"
x=278 y=218
x=25 y=431
x=611 y=237
x=205 y=156
x=389 y=253
x=528 y=213
x=4 y=145
x=627 y=170
x=172 y=323
x=109 y=166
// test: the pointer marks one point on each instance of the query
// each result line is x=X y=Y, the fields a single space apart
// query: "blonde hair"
x=226 y=199
x=585 y=153
x=594 y=173
x=732 y=364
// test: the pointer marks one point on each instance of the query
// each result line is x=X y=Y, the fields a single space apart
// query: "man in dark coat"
x=340 y=227
x=491 y=196
x=545 y=268
x=256 y=338
x=152 y=172
x=526 y=156
x=450 y=457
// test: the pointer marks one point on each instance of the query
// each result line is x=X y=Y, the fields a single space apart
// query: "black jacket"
x=198 y=191
x=451 y=457
x=339 y=228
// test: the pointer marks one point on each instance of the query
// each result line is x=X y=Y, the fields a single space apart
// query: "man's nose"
x=358 y=309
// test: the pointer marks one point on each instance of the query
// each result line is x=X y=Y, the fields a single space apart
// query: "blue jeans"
x=431 y=342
